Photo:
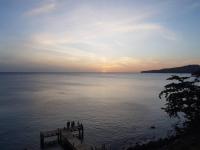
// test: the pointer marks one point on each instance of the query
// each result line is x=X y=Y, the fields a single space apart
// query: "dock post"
x=41 y=140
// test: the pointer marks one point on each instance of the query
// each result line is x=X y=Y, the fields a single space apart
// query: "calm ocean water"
x=115 y=108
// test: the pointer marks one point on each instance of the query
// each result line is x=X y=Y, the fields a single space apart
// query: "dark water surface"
x=115 y=108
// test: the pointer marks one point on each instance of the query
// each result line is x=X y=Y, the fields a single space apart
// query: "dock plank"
x=74 y=141
x=68 y=138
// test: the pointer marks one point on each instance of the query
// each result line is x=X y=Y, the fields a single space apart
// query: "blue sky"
x=93 y=35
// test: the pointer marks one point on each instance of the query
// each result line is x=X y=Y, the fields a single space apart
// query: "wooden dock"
x=70 y=137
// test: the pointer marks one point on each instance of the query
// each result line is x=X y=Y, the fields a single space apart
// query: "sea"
x=117 y=109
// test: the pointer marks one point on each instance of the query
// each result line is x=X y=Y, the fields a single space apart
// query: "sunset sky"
x=98 y=35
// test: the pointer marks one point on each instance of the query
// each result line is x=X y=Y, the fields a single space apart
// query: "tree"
x=183 y=97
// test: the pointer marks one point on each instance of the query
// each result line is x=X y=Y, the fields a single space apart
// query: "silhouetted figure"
x=72 y=124
x=68 y=124
x=79 y=132
x=82 y=131
x=78 y=124
x=81 y=126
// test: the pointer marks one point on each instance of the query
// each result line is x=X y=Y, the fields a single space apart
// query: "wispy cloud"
x=101 y=42
x=42 y=9
x=48 y=39
x=108 y=40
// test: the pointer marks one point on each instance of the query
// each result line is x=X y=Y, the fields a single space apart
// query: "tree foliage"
x=183 y=96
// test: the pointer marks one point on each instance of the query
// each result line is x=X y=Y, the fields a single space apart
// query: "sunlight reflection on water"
x=115 y=108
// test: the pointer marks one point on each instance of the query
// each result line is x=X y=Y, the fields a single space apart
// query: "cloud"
x=110 y=28
x=104 y=41
x=49 y=39
x=42 y=9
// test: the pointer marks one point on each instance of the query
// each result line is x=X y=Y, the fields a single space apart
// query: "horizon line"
x=63 y=72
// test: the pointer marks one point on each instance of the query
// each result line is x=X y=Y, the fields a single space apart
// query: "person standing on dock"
x=82 y=130
x=79 y=131
x=72 y=124
x=68 y=124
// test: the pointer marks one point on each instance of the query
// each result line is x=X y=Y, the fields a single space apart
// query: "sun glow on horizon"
x=98 y=36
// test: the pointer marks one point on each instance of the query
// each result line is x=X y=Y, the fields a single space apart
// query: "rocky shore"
x=186 y=141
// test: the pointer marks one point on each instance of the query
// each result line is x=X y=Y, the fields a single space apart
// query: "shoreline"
x=184 y=141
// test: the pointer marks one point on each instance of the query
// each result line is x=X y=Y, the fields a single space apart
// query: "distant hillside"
x=183 y=69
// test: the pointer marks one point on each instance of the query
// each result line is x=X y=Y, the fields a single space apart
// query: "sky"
x=98 y=35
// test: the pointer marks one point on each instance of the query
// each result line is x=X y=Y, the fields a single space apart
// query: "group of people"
x=72 y=125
